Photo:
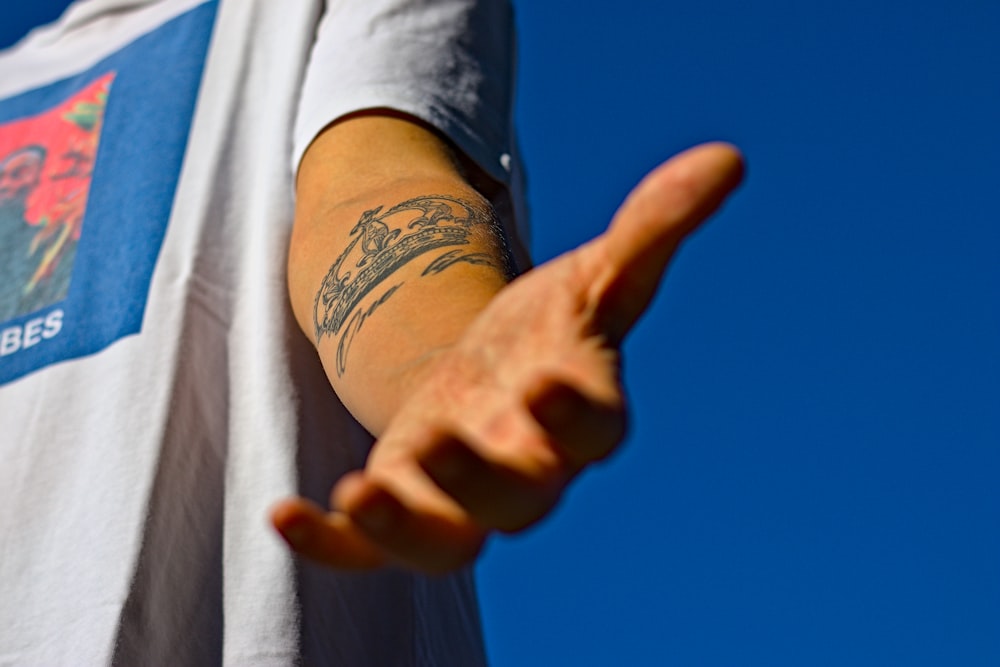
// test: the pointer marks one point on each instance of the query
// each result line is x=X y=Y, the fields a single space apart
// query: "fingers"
x=668 y=204
x=409 y=533
x=372 y=527
x=328 y=538
x=586 y=428
x=491 y=494
x=511 y=487
x=436 y=515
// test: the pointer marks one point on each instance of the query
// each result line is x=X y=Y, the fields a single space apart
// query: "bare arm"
x=392 y=255
x=487 y=398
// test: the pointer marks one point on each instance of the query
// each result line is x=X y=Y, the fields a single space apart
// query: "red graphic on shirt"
x=46 y=165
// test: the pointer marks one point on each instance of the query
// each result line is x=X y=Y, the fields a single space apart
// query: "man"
x=20 y=173
x=180 y=402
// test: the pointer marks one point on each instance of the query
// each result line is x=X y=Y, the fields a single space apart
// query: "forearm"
x=393 y=254
x=525 y=400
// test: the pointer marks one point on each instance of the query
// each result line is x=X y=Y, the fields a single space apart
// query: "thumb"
x=670 y=202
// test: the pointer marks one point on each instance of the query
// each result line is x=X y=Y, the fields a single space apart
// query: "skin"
x=499 y=393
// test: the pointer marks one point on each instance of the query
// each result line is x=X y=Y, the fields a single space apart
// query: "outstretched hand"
x=503 y=420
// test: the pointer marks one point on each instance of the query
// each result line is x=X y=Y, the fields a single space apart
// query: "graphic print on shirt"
x=46 y=165
x=88 y=171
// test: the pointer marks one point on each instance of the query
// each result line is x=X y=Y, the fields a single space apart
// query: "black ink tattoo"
x=354 y=326
x=382 y=242
x=455 y=256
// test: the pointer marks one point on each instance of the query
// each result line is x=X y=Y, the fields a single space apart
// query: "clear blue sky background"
x=812 y=475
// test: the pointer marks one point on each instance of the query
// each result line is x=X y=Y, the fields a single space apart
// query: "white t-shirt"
x=156 y=396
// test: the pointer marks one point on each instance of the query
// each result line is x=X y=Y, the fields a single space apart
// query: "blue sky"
x=812 y=473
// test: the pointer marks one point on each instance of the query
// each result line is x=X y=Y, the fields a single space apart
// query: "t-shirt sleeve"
x=448 y=62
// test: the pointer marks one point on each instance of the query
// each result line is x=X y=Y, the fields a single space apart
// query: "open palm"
x=502 y=421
